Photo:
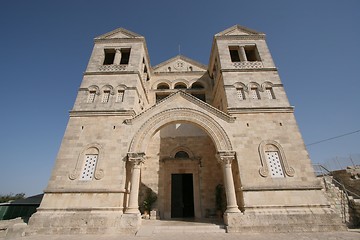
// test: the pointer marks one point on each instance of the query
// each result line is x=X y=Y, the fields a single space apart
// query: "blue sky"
x=45 y=47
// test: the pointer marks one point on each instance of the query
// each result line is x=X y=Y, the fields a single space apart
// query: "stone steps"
x=190 y=229
x=159 y=227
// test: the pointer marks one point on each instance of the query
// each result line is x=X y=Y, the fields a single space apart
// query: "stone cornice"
x=119 y=40
x=111 y=73
x=183 y=58
x=232 y=86
x=85 y=209
x=248 y=69
x=87 y=113
x=261 y=110
x=241 y=37
x=280 y=188
x=178 y=73
x=84 y=190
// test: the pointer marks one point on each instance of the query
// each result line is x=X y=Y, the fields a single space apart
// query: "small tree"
x=11 y=197
x=149 y=200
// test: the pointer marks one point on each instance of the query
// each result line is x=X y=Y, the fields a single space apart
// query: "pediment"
x=180 y=100
x=179 y=64
x=118 y=34
x=238 y=30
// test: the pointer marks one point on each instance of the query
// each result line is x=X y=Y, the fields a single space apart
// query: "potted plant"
x=149 y=200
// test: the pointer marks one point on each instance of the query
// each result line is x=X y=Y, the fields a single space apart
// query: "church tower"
x=202 y=139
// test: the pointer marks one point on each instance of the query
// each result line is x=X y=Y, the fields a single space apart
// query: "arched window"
x=162 y=86
x=270 y=93
x=92 y=92
x=180 y=86
x=181 y=154
x=240 y=93
x=89 y=164
x=254 y=93
x=274 y=163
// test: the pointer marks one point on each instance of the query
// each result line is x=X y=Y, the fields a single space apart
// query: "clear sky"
x=45 y=47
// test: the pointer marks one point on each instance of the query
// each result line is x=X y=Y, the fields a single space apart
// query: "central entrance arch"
x=149 y=125
x=196 y=117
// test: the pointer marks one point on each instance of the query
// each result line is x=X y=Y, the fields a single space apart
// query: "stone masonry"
x=179 y=130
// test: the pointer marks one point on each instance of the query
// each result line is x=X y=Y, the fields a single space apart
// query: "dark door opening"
x=182 y=196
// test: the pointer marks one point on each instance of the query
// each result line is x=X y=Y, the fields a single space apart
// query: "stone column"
x=136 y=159
x=225 y=159
x=117 y=57
x=242 y=54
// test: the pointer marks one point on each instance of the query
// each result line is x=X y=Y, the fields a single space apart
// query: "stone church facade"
x=181 y=130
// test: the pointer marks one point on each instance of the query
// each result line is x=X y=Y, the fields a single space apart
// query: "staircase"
x=342 y=198
x=150 y=227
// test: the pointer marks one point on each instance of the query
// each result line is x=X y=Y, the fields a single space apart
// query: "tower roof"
x=179 y=63
x=238 y=30
x=118 y=34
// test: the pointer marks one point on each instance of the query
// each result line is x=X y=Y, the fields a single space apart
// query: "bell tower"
x=116 y=76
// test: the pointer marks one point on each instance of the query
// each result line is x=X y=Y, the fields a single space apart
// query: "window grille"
x=274 y=164
x=270 y=93
x=91 y=97
x=106 y=97
x=120 y=96
x=88 y=169
x=240 y=93
x=255 y=93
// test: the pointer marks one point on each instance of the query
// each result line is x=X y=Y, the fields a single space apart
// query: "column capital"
x=225 y=157
x=136 y=158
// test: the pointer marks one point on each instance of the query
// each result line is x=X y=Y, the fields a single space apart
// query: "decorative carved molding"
x=99 y=173
x=261 y=110
x=94 y=88
x=264 y=170
x=248 y=64
x=225 y=157
x=238 y=85
x=204 y=121
x=136 y=158
x=109 y=88
x=112 y=68
x=192 y=99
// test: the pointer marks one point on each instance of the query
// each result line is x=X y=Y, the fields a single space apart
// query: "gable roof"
x=119 y=33
x=238 y=30
x=179 y=63
x=174 y=98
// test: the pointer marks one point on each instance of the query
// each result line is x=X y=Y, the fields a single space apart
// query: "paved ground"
x=206 y=236
x=178 y=230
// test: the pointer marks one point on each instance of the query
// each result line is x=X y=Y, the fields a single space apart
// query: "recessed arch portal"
x=187 y=115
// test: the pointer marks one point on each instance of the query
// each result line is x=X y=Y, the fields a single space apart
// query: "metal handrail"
x=328 y=173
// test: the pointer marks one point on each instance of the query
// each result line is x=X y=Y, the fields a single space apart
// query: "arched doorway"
x=187 y=172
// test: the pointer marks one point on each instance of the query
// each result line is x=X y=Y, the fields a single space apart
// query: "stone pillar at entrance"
x=136 y=159
x=225 y=159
